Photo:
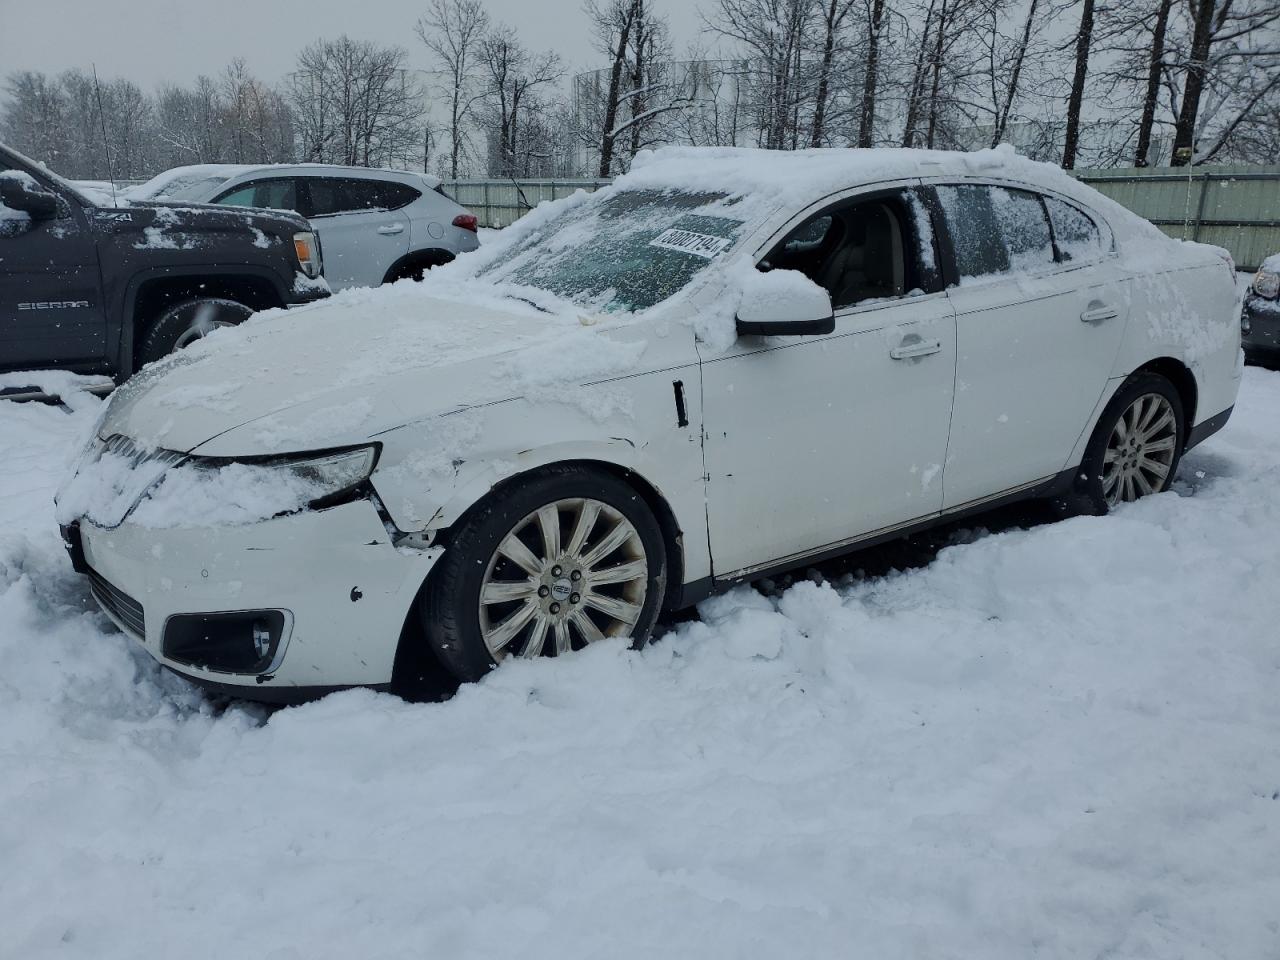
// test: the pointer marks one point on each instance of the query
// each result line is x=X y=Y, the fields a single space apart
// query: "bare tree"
x=1155 y=74
x=1216 y=24
x=514 y=78
x=773 y=35
x=1014 y=63
x=832 y=17
x=356 y=103
x=453 y=31
x=1084 y=36
x=875 y=22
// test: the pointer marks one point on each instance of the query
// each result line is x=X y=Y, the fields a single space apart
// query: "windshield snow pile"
x=625 y=252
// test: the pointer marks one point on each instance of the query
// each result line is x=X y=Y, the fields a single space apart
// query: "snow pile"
x=14 y=222
x=1060 y=742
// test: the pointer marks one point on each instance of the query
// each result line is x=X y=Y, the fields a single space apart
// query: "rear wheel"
x=568 y=557
x=1136 y=446
x=184 y=323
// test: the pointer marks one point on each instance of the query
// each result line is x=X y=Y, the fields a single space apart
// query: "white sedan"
x=726 y=364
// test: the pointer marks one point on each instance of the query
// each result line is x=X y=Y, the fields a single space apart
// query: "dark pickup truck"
x=94 y=288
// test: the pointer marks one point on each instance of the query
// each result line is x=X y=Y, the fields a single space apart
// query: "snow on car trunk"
x=1060 y=741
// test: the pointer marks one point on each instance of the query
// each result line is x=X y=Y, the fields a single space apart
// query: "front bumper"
x=1260 y=327
x=345 y=588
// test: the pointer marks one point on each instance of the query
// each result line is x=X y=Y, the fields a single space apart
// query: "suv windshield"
x=197 y=189
x=626 y=252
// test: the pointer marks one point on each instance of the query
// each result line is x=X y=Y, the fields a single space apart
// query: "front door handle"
x=912 y=347
x=1097 y=312
x=391 y=228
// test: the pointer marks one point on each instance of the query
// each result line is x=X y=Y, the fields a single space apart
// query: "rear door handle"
x=910 y=348
x=1098 y=311
x=391 y=228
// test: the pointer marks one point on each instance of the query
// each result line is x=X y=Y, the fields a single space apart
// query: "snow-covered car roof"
x=795 y=178
x=180 y=182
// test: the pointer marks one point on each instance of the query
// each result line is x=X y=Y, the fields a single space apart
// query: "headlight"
x=307 y=248
x=1267 y=284
x=329 y=476
x=212 y=492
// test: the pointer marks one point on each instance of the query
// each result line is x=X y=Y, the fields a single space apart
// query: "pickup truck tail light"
x=467 y=221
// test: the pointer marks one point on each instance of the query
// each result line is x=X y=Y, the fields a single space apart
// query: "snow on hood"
x=363 y=362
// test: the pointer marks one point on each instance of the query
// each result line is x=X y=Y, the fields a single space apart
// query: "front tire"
x=183 y=323
x=1135 y=448
x=563 y=558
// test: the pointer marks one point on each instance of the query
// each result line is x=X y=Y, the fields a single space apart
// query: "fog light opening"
x=246 y=641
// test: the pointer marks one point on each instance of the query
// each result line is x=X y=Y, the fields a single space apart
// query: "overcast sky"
x=159 y=41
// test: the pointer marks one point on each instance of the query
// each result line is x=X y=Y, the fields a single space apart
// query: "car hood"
x=175 y=213
x=358 y=365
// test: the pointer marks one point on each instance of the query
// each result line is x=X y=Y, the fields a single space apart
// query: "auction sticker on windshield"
x=686 y=241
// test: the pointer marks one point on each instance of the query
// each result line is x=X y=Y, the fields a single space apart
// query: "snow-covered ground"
x=1061 y=741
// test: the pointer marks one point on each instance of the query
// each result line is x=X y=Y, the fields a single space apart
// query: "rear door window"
x=996 y=230
x=974 y=229
x=334 y=195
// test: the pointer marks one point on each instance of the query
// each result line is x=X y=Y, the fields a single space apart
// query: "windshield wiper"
x=536 y=306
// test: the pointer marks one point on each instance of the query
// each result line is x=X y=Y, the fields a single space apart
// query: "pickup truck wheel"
x=568 y=556
x=184 y=323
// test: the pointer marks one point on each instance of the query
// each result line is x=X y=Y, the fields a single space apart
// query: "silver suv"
x=375 y=226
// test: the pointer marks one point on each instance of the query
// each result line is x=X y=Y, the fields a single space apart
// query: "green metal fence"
x=1233 y=207
x=498 y=203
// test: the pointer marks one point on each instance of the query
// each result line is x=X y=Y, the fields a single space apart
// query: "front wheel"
x=1136 y=446
x=184 y=323
x=560 y=560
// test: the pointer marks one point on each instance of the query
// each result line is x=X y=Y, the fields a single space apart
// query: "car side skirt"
x=699 y=590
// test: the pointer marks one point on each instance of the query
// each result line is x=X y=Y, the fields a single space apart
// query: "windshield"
x=196 y=187
x=625 y=252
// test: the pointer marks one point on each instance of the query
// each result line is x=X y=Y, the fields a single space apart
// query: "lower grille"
x=119 y=604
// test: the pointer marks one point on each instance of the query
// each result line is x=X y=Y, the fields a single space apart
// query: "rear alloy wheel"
x=563 y=558
x=1141 y=450
x=1136 y=446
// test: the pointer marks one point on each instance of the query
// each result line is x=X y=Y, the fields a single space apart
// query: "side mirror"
x=23 y=194
x=784 y=303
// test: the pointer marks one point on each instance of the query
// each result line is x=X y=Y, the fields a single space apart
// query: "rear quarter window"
x=1077 y=235
x=397 y=195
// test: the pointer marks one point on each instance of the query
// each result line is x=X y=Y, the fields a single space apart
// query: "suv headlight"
x=307 y=247
x=1266 y=284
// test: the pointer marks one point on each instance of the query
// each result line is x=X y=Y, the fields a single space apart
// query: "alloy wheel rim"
x=1140 y=450
x=201 y=327
x=568 y=574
